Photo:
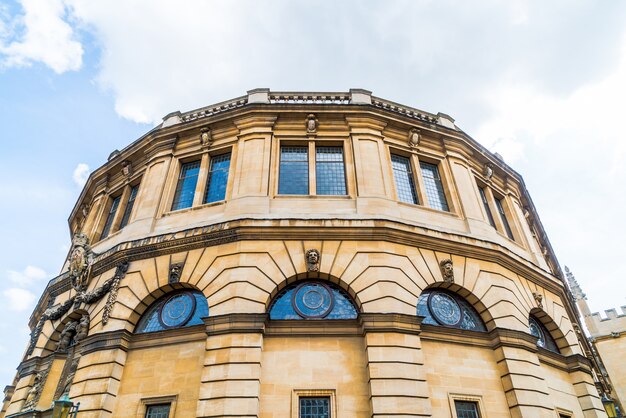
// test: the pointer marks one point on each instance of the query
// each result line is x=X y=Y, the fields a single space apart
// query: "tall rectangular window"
x=294 y=170
x=433 y=186
x=129 y=206
x=483 y=197
x=109 y=222
x=158 y=411
x=465 y=409
x=217 y=179
x=403 y=176
x=505 y=222
x=330 y=176
x=186 y=187
x=318 y=407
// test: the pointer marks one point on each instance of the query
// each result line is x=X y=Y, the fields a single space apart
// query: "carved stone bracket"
x=539 y=299
x=311 y=124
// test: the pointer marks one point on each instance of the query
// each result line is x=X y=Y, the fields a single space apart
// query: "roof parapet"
x=171 y=119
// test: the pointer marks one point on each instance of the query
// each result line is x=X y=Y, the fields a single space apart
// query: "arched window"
x=544 y=338
x=440 y=307
x=174 y=310
x=312 y=300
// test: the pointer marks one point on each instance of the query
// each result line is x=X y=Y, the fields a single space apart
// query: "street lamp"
x=63 y=407
x=609 y=406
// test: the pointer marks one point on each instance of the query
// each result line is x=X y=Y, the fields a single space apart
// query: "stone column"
x=395 y=364
x=582 y=380
x=231 y=379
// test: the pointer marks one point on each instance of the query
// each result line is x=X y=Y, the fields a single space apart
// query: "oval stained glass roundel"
x=177 y=310
x=444 y=308
x=313 y=300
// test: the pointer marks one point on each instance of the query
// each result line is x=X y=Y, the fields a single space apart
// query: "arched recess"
x=53 y=341
x=142 y=306
x=553 y=330
x=327 y=285
x=472 y=300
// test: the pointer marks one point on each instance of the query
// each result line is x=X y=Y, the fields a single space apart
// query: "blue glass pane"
x=330 y=177
x=403 y=175
x=186 y=187
x=175 y=310
x=544 y=338
x=294 y=171
x=439 y=307
x=433 y=187
x=218 y=179
x=314 y=408
x=312 y=300
x=129 y=206
x=109 y=222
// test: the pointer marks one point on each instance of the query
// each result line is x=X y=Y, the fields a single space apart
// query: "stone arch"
x=142 y=306
x=321 y=277
x=554 y=330
x=470 y=297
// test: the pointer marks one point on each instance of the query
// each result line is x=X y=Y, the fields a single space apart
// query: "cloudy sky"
x=542 y=83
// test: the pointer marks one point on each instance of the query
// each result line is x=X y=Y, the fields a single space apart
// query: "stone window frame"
x=123 y=192
x=561 y=412
x=312 y=143
x=203 y=177
x=296 y=394
x=467 y=397
x=142 y=408
x=492 y=196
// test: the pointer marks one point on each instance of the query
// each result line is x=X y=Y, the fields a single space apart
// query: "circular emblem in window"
x=312 y=300
x=177 y=310
x=535 y=329
x=444 y=308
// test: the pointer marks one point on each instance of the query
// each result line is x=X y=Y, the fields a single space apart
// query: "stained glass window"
x=294 y=170
x=312 y=300
x=433 y=186
x=439 y=307
x=330 y=177
x=129 y=206
x=403 y=176
x=505 y=222
x=218 y=179
x=544 y=338
x=174 y=310
x=483 y=197
x=158 y=411
x=466 y=409
x=314 y=407
x=109 y=222
x=186 y=187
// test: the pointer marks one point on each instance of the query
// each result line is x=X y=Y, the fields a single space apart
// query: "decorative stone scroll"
x=447 y=270
x=81 y=259
x=312 y=260
x=82 y=297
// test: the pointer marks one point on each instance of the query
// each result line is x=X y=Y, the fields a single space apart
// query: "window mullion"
x=117 y=219
x=312 y=174
x=202 y=179
x=419 y=181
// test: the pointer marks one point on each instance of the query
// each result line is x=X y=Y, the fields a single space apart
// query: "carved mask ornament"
x=311 y=124
x=447 y=270
x=414 y=137
x=539 y=299
x=205 y=137
x=312 y=260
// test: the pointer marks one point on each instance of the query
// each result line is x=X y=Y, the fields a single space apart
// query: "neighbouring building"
x=307 y=255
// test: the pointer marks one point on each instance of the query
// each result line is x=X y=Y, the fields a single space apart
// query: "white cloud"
x=81 y=174
x=41 y=34
x=27 y=277
x=18 y=299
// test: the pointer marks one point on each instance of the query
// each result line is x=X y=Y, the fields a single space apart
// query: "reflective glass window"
x=218 y=179
x=318 y=407
x=403 y=176
x=158 y=411
x=186 y=187
x=129 y=206
x=111 y=215
x=544 y=338
x=312 y=300
x=483 y=197
x=440 y=307
x=330 y=177
x=174 y=310
x=466 y=409
x=505 y=222
x=433 y=186
x=293 y=177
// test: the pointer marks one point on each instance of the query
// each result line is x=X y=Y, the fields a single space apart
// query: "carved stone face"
x=311 y=125
x=448 y=269
x=312 y=257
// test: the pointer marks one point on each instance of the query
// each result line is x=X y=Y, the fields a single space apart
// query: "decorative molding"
x=120 y=273
x=127 y=169
x=488 y=171
x=34 y=393
x=81 y=259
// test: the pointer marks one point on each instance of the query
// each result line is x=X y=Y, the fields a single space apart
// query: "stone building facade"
x=306 y=255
